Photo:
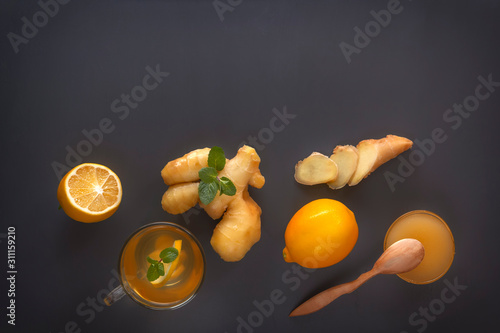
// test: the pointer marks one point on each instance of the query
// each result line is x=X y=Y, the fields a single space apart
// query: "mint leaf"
x=210 y=184
x=169 y=254
x=161 y=268
x=153 y=272
x=207 y=191
x=208 y=175
x=227 y=187
x=216 y=158
x=151 y=261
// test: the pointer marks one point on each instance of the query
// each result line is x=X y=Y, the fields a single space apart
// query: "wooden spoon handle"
x=324 y=298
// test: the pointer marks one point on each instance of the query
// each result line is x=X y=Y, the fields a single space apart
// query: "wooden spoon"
x=400 y=257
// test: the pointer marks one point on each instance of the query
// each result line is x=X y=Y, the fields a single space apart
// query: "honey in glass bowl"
x=435 y=236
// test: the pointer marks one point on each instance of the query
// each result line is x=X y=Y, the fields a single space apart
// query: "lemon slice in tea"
x=169 y=268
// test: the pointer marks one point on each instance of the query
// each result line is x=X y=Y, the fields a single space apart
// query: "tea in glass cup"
x=150 y=241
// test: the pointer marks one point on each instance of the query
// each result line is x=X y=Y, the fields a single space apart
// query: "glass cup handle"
x=115 y=295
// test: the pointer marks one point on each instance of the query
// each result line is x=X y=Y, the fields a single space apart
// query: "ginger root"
x=239 y=229
x=185 y=168
x=374 y=153
x=180 y=198
x=352 y=164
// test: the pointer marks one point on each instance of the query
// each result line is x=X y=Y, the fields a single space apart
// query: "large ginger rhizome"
x=239 y=229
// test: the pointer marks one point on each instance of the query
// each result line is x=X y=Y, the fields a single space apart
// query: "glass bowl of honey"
x=436 y=237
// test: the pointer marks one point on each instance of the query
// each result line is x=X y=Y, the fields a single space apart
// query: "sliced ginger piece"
x=374 y=153
x=315 y=169
x=346 y=158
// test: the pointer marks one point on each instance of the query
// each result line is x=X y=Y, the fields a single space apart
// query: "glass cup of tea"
x=436 y=237
x=149 y=241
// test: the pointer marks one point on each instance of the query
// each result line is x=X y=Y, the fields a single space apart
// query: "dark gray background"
x=225 y=79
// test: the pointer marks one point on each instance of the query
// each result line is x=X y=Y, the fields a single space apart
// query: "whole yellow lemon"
x=320 y=234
